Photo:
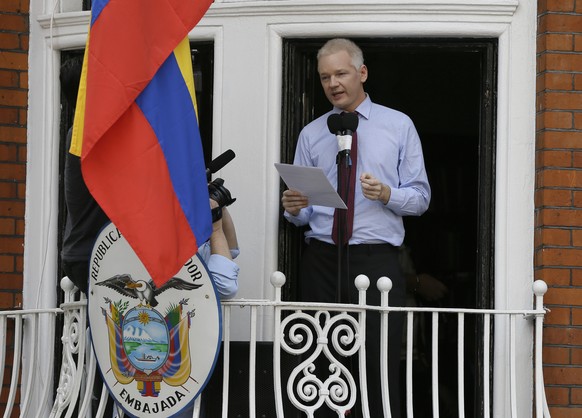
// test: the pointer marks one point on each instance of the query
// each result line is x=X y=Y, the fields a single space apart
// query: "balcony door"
x=447 y=87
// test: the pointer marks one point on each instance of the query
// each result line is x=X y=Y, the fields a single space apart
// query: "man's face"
x=343 y=84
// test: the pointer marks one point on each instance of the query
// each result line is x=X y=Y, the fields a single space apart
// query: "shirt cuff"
x=225 y=275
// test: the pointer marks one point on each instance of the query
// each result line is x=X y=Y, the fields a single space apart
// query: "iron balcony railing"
x=302 y=332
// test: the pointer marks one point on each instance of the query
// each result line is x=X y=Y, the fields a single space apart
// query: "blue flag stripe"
x=175 y=125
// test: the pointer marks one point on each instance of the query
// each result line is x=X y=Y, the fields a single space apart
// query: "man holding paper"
x=391 y=182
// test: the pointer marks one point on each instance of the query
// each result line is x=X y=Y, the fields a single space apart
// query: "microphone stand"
x=342 y=157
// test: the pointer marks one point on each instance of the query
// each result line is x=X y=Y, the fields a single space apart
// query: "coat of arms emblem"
x=155 y=347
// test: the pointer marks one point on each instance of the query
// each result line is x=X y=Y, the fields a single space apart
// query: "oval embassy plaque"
x=155 y=347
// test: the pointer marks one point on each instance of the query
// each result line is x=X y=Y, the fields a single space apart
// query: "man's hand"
x=373 y=189
x=293 y=201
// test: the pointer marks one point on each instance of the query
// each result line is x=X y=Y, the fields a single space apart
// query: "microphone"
x=343 y=126
x=334 y=123
x=335 y=126
x=219 y=162
x=350 y=123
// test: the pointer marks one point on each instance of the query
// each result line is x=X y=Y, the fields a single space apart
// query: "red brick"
x=8 y=152
x=566 y=297
x=12 y=134
x=559 y=42
x=556 y=355
x=7 y=263
x=554 y=276
x=559 y=178
x=566 y=412
x=8 y=78
x=577 y=199
x=9 y=41
x=577 y=396
x=557 y=120
x=7 y=190
x=22 y=117
x=554 y=158
x=557 y=395
x=24 y=40
x=13 y=60
x=576 y=356
x=560 y=23
x=12 y=208
x=558 y=217
x=576 y=316
x=577 y=237
x=553 y=197
x=568 y=257
x=578 y=121
x=577 y=43
x=11 y=281
x=563 y=375
x=25 y=6
x=577 y=81
x=13 y=6
x=7 y=226
x=13 y=97
x=12 y=171
x=555 y=139
x=21 y=190
x=17 y=23
x=19 y=227
x=560 y=5
x=6 y=301
x=22 y=153
x=23 y=80
x=19 y=260
x=8 y=115
x=562 y=100
x=555 y=236
x=558 y=316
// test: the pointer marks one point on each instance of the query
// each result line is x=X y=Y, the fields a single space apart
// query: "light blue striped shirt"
x=388 y=148
x=224 y=272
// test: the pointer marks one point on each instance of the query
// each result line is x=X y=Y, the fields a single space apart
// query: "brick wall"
x=558 y=198
x=13 y=111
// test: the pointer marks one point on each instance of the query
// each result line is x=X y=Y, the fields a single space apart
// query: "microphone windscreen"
x=334 y=123
x=220 y=161
x=350 y=121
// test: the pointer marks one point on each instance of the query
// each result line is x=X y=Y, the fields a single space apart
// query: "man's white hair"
x=341 y=44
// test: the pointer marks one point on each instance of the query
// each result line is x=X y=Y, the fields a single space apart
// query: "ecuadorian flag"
x=136 y=129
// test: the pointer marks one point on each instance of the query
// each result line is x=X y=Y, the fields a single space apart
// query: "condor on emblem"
x=155 y=347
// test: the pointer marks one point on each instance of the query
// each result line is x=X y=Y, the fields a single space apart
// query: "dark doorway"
x=447 y=87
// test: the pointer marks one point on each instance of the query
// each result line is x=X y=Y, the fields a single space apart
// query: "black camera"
x=219 y=193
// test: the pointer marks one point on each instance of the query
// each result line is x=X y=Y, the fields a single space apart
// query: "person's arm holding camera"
x=219 y=243
x=218 y=252
x=229 y=232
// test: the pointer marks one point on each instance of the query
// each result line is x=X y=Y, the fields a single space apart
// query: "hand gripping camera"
x=220 y=195
x=216 y=189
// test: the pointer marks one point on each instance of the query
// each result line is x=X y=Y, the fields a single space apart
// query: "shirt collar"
x=363 y=109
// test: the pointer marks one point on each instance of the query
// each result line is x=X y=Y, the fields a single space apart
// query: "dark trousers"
x=78 y=273
x=319 y=283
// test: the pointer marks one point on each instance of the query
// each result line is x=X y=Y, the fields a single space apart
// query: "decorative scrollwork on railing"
x=73 y=339
x=325 y=374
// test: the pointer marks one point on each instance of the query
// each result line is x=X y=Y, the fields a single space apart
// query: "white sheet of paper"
x=312 y=183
